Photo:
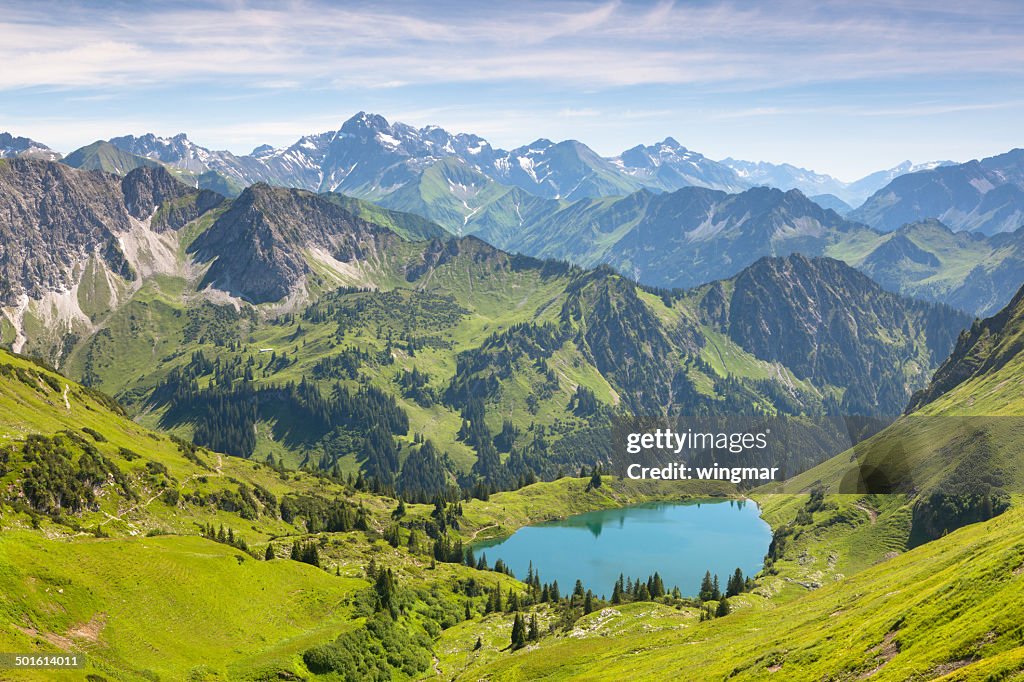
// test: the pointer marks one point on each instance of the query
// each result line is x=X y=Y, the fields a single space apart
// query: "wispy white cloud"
x=297 y=44
x=815 y=82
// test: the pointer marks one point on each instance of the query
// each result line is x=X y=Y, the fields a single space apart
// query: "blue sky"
x=838 y=86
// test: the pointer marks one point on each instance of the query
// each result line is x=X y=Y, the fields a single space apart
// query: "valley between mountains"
x=255 y=410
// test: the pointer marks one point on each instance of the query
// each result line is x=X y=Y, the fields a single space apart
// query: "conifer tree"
x=385 y=588
x=723 y=608
x=617 y=591
x=643 y=594
x=657 y=586
x=518 y=633
x=269 y=554
x=736 y=584
x=512 y=602
x=706 y=587
x=534 y=634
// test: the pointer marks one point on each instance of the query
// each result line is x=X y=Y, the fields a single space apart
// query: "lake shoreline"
x=679 y=540
x=506 y=512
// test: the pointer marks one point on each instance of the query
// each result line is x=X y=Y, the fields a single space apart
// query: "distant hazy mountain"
x=787 y=176
x=927 y=260
x=984 y=196
x=860 y=190
x=696 y=235
x=831 y=201
x=22 y=147
x=673 y=239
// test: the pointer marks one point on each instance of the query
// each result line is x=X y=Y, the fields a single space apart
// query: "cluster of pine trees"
x=226 y=410
x=225 y=537
x=521 y=635
x=306 y=552
x=627 y=590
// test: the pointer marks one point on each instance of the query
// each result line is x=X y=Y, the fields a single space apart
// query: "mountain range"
x=156 y=272
x=643 y=212
x=984 y=196
x=369 y=157
x=694 y=235
x=786 y=176
x=14 y=147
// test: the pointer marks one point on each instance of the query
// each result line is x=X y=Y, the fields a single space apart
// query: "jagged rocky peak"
x=833 y=325
x=14 y=147
x=364 y=124
x=146 y=188
x=263 y=150
x=260 y=247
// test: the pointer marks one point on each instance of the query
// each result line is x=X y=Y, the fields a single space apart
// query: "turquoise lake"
x=678 y=540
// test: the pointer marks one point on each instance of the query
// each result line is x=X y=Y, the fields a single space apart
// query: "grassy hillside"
x=104 y=156
x=166 y=607
x=121 y=568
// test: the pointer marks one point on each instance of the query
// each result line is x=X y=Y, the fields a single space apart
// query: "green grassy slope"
x=166 y=607
x=106 y=157
x=128 y=580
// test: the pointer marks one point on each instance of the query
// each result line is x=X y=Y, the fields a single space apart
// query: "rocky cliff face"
x=261 y=247
x=833 y=325
x=53 y=218
x=148 y=188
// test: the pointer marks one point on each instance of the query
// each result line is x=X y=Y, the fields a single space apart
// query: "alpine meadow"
x=392 y=401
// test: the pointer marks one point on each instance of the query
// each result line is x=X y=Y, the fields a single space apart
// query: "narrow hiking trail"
x=217 y=471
